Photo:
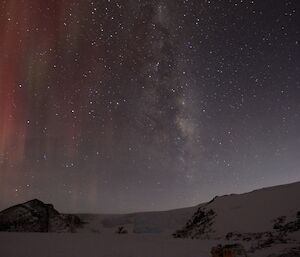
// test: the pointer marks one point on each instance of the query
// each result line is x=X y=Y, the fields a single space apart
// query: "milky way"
x=119 y=106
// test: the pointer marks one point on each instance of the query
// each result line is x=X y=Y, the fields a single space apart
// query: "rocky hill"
x=258 y=211
x=36 y=216
x=262 y=218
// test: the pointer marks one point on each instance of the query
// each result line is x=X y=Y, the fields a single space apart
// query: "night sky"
x=133 y=105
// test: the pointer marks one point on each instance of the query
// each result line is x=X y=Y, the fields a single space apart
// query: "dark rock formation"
x=36 y=216
x=282 y=226
x=293 y=252
x=198 y=226
x=232 y=250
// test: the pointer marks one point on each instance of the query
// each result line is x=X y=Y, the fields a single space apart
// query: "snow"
x=99 y=245
x=13 y=244
x=244 y=213
x=163 y=222
x=150 y=232
x=255 y=211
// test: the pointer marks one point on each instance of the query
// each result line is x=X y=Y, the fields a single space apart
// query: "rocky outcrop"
x=282 y=233
x=199 y=226
x=281 y=225
x=293 y=252
x=36 y=216
x=232 y=250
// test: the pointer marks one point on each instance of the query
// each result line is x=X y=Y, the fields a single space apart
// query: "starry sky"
x=135 y=105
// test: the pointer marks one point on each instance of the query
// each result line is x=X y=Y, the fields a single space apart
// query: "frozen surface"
x=14 y=244
x=150 y=233
x=99 y=245
x=162 y=222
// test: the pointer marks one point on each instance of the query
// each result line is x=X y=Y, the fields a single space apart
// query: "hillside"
x=36 y=216
x=261 y=219
x=165 y=222
x=251 y=212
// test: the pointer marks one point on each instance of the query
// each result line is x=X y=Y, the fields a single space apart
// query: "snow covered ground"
x=110 y=245
x=244 y=213
x=249 y=217
x=99 y=245
x=162 y=222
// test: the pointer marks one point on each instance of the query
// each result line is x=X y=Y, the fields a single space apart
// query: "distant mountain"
x=36 y=216
x=159 y=222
